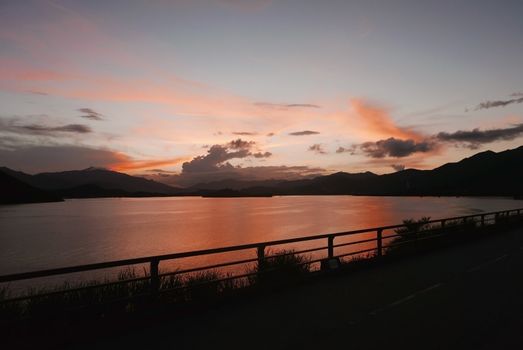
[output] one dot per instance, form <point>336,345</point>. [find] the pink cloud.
<point>377,120</point>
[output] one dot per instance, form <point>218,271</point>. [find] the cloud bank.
<point>396,148</point>
<point>476,137</point>
<point>16,125</point>
<point>317,148</point>
<point>88,113</point>
<point>304,133</point>
<point>244,133</point>
<point>41,129</point>
<point>498,103</point>
<point>217,157</point>
<point>215,165</point>
<point>399,148</point>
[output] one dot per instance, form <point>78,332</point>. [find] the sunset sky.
<point>190,90</point>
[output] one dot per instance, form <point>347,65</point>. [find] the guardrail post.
<point>482,220</point>
<point>443,222</point>
<point>330,240</point>
<point>261,257</point>
<point>155,278</point>
<point>379,241</point>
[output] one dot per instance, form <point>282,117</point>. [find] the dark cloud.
<point>262,154</point>
<point>304,133</point>
<point>160,171</point>
<point>516,94</point>
<point>41,129</point>
<point>34,159</point>
<point>475,137</point>
<point>318,148</point>
<point>90,114</point>
<point>215,165</point>
<point>396,148</point>
<point>217,157</point>
<point>398,167</point>
<point>15,125</point>
<point>498,103</point>
<point>285,105</point>
<point>271,134</point>
<point>244,133</point>
<point>351,150</point>
<point>241,144</point>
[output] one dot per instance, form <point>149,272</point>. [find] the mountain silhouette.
<point>15,191</point>
<point>484,174</point>
<point>93,182</point>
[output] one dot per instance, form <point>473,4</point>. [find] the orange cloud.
<point>379,122</point>
<point>11,70</point>
<point>125,163</point>
<point>215,108</point>
<point>70,46</point>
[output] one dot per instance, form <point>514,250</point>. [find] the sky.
<point>186,91</point>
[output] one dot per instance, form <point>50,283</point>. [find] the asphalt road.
<point>463,297</point>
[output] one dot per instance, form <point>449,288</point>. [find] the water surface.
<point>38,236</point>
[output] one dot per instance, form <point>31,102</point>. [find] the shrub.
<point>413,227</point>
<point>280,268</point>
<point>202,285</point>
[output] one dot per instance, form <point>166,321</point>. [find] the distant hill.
<point>484,174</point>
<point>14,191</point>
<point>233,184</point>
<point>93,182</point>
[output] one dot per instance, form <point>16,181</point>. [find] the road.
<point>461,297</point>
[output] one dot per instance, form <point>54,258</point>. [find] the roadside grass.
<point>208,285</point>
<point>131,290</point>
<point>84,297</point>
<point>421,235</point>
<point>280,268</point>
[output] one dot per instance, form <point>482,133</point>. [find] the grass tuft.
<point>280,267</point>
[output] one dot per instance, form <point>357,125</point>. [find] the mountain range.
<point>14,191</point>
<point>89,183</point>
<point>483,174</point>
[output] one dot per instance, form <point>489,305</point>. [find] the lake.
<point>40,236</point>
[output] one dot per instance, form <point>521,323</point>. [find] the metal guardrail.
<point>154,277</point>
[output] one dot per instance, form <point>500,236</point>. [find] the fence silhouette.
<point>380,243</point>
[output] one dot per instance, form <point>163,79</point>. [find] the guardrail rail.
<point>380,243</point>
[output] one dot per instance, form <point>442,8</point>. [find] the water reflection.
<point>39,236</point>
